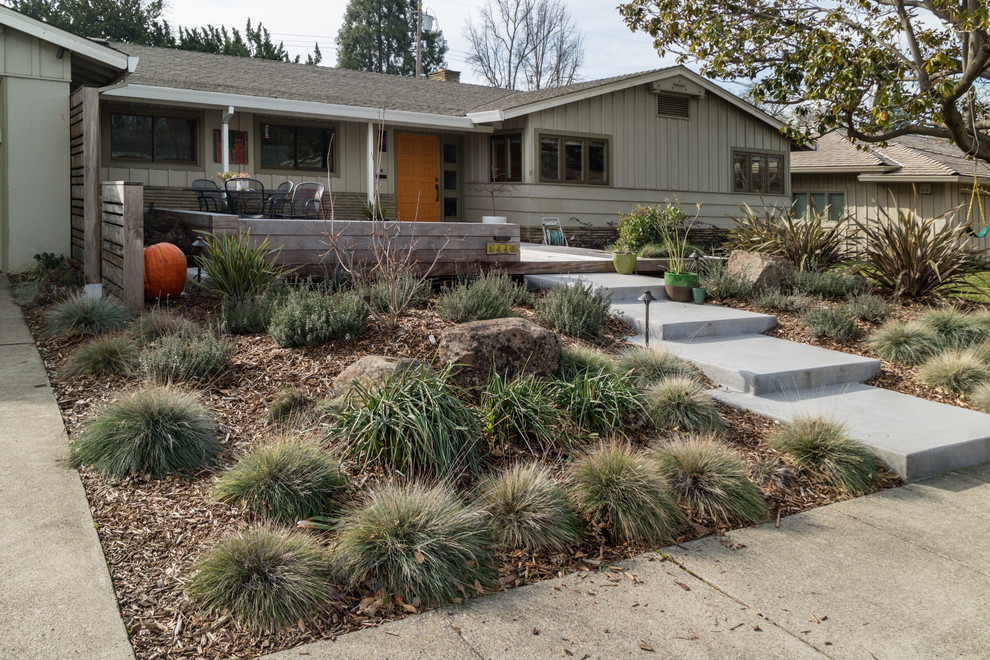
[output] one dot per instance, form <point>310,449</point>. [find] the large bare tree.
<point>526,44</point>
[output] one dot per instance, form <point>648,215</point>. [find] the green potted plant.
<point>678,281</point>
<point>623,257</point>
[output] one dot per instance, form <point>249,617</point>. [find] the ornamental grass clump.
<point>154,431</point>
<point>84,316</point>
<point>521,410</point>
<point>953,328</point>
<point>575,359</point>
<point>981,397</point>
<point>311,318</point>
<point>412,423</point>
<point>418,543</point>
<point>710,479</point>
<point>643,366</point>
<point>238,267</point>
<point>832,322</point>
<point>158,322</point>
<point>830,284</point>
<point>103,356</point>
<point>577,311</point>
<point>489,296</point>
<point>682,404</point>
<point>394,296</point>
<point>625,493</point>
<point>955,371</point>
<point>180,357</point>
<point>245,317</point>
<point>265,579</point>
<point>528,510</point>
<point>905,343</point>
<point>601,402</point>
<point>285,481</point>
<point>290,407</point>
<point>868,307</point>
<point>823,447</point>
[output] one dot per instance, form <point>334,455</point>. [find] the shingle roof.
<point>518,99</point>
<point>834,150</point>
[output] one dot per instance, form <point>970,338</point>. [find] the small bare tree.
<point>526,43</point>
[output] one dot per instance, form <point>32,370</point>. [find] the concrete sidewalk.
<point>900,574</point>
<point>56,598</point>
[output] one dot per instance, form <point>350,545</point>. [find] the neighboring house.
<point>927,175</point>
<point>39,66</point>
<point>584,153</point>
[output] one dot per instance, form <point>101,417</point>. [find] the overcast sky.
<point>610,48</point>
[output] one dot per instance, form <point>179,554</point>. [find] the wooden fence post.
<point>123,243</point>
<point>85,163</point>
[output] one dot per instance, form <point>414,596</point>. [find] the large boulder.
<point>765,271</point>
<point>372,370</point>
<point>509,346</point>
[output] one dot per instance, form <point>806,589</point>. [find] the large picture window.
<point>573,160</point>
<point>804,203</point>
<point>506,157</point>
<point>297,147</point>
<point>152,138</point>
<point>757,172</point>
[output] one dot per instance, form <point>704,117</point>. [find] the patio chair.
<point>208,194</point>
<point>245,197</point>
<point>553,233</point>
<point>279,199</point>
<point>307,200</point>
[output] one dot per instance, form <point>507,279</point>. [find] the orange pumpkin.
<point>164,271</point>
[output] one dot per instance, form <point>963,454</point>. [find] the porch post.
<point>225,137</point>
<point>372,173</point>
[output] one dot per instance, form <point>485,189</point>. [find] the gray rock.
<point>509,345</point>
<point>372,370</point>
<point>765,271</point>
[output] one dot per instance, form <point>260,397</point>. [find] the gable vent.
<point>669,105</point>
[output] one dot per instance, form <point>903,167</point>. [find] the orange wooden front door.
<point>417,179</point>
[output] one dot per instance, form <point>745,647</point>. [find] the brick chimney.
<point>446,75</point>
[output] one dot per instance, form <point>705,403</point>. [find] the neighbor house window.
<point>152,138</point>
<point>806,202</point>
<point>573,160</point>
<point>757,172</point>
<point>297,147</point>
<point>506,157</point>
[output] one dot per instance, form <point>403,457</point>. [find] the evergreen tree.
<point>380,36</point>
<point>128,21</point>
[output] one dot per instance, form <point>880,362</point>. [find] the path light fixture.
<point>647,298</point>
<point>696,255</point>
<point>200,246</point>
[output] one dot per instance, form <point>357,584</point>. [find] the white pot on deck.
<point>494,219</point>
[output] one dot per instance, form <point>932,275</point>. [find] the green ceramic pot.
<point>680,279</point>
<point>624,263</point>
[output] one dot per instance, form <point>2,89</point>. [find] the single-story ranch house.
<point>583,153</point>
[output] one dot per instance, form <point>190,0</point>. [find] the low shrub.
<point>246,317</point>
<point>522,410</point>
<point>84,316</point>
<point>777,300</point>
<point>832,322</point>
<point>103,356</point>
<point>489,296</point>
<point>285,481</point>
<point>644,366</point>
<point>393,297</point>
<point>578,310</point>
<point>179,357</point>
<point>823,447</point>
<point>981,397</point>
<point>709,478</point>
<point>236,268</point>
<point>682,404</point>
<point>528,509</point>
<point>290,406</point>
<point>413,423</point>
<point>904,343</point>
<point>720,284</point>
<point>159,322</point>
<point>644,225</point>
<point>28,294</point>
<point>624,492</point>
<point>952,328</point>
<point>420,544</point>
<point>868,307</point>
<point>830,284</point>
<point>153,431</point>
<point>601,402</point>
<point>264,579</point>
<point>311,318</point>
<point>575,359</point>
<point>56,273</point>
<point>955,371</point>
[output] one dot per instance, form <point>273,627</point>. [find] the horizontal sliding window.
<point>573,160</point>
<point>757,172</point>
<point>506,157</point>
<point>152,138</point>
<point>296,147</point>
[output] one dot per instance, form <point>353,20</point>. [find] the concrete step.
<point>622,288</point>
<point>757,364</point>
<point>917,438</point>
<point>671,320</point>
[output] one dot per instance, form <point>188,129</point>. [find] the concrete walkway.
<point>56,598</point>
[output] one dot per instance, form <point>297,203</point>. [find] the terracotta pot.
<point>679,293</point>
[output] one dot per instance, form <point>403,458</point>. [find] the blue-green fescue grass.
<point>832,322</point>
<point>575,359</point>
<point>527,509</point>
<point>623,491</point>
<point>981,397</point>
<point>413,423</point>
<point>184,358</point>
<point>868,307</point>
<point>84,316</point>
<point>955,371</point>
<point>577,311</point>
<point>953,328</point>
<point>419,543</point>
<point>600,402</point>
<point>158,322</point>
<point>489,296</point>
<point>904,343</point>
<point>265,579</point>
<point>682,404</point>
<point>521,410</point>
<point>709,478</point>
<point>822,447</point>
<point>103,356</point>
<point>153,431</point>
<point>285,481</point>
<point>644,366</point>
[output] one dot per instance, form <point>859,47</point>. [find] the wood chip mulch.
<point>152,530</point>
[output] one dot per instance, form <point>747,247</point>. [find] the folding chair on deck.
<point>553,233</point>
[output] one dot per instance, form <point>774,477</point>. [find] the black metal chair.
<point>279,199</point>
<point>307,200</point>
<point>208,195</point>
<point>245,197</point>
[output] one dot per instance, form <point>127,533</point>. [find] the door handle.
<point>436,186</point>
